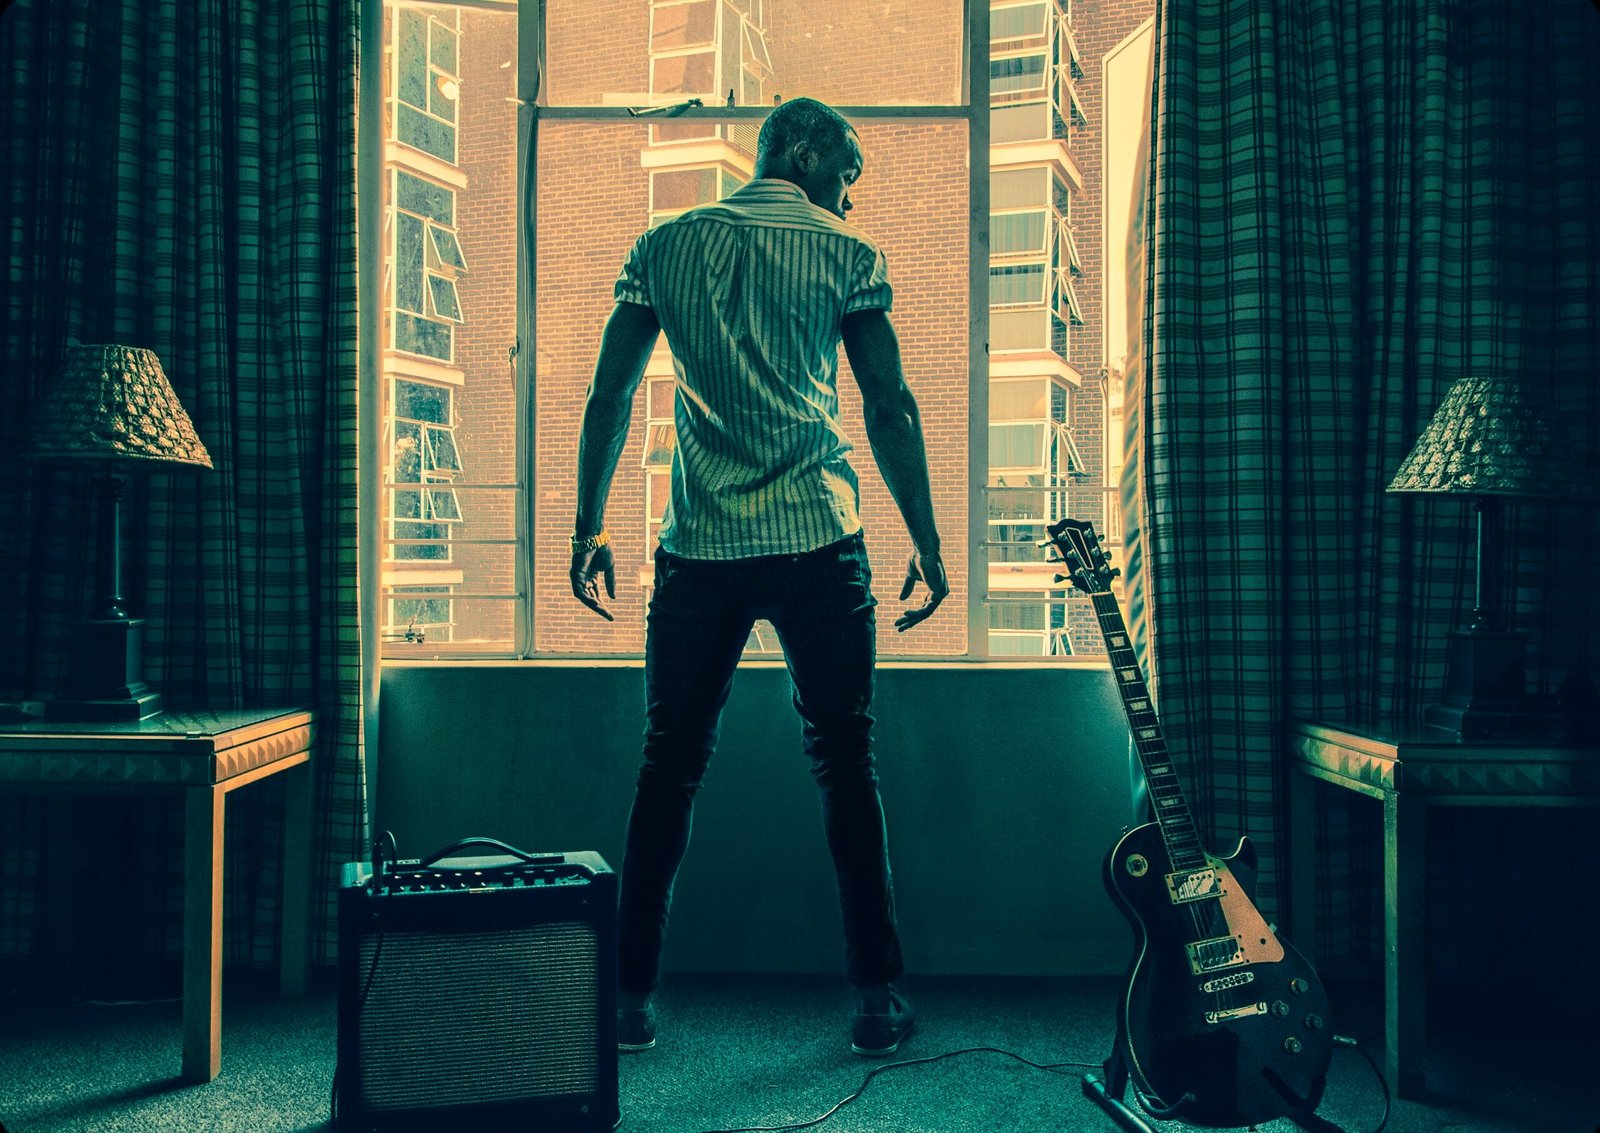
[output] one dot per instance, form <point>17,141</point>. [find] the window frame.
<point>973,107</point>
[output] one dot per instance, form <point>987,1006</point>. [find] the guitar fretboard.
<point>1166,794</point>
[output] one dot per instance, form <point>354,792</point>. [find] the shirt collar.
<point>774,185</point>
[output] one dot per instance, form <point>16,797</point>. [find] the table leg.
<point>1302,902</point>
<point>61,962</point>
<point>202,932</point>
<point>296,880</point>
<point>1405,835</point>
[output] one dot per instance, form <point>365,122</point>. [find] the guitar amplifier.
<point>477,992</point>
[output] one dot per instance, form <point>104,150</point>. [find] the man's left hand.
<point>587,569</point>
<point>928,569</point>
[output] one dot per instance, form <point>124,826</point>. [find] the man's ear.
<point>805,156</point>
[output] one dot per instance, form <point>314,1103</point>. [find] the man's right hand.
<point>588,568</point>
<point>929,569</point>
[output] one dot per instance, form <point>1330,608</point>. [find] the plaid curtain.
<point>179,175</point>
<point>1356,203</point>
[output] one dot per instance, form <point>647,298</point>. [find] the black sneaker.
<point>883,1018</point>
<point>636,1023</point>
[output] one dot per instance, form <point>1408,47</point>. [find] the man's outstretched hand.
<point>588,567</point>
<point>928,569</point>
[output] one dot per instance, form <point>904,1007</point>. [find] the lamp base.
<point>104,680</point>
<point>1485,689</point>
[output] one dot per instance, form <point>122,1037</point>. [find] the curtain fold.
<point>1356,203</point>
<point>180,175</point>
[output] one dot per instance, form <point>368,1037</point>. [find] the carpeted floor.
<point>741,1051</point>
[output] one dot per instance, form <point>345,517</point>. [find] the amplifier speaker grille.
<point>535,1037</point>
<point>478,993</point>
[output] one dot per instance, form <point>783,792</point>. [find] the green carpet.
<point>740,1051</point>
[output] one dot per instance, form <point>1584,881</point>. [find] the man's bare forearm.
<point>600,445</point>
<point>894,424</point>
<point>895,433</point>
<point>625,347</point>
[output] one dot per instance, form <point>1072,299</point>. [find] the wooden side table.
<point>203,756</point>
<point>1410,770</point>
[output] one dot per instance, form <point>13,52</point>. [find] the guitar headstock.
<point>1088,565</point>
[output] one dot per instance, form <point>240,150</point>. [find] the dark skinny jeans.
<point>701,613</point>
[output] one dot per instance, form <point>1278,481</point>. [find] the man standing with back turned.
<point>755,293</point>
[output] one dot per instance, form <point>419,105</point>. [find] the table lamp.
<point>112,409</point>
<point>1489,442</point>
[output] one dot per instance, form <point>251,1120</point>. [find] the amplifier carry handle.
<point>456,847</point>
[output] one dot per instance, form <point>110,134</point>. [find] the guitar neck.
<point>1166,794</point>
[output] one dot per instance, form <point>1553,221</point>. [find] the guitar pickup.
<point>1237,1012</point>
<point>1193,885</point>
<point>1211,955</point>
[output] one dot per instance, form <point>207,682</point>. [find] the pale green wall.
<point>1004,787</point>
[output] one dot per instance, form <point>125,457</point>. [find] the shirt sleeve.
<point>869,282</point>
<point>632,284</point>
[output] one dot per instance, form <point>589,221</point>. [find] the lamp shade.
<point>1488,438</point>
<point>114,403</point>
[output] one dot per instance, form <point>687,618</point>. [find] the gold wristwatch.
<point>587,543</point>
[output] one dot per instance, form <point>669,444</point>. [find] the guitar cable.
<point>1339,1040</point>
<point>1377,1072</point>
<point>876,1070</point>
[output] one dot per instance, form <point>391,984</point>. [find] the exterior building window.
<point>427,259</point>
<point>423,454</point>
<point>419,620</point>
<point>427,79</point>
<point>677,189</point>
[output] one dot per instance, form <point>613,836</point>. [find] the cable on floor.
<point>876,1070</point>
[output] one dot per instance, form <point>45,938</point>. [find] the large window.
<point>496,291</point>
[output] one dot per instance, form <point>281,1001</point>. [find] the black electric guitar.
<point>1222,1024</point>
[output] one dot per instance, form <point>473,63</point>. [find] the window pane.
<point>1013,232</point>
<point>418,401</point>
<point>1012,23</point>
<point>594,199</point>
<point>425,198</point>
<point>1016,446</point>
<point>684,74</point>
<point>1018,188</point>
<point>1018,73</point>
<point>443,293</point>
<point>1025,122</point>
<point>821,48</point>
<point>449,403</point>
<point>1014,329</point>
<point>1018,283</point>
<point>683,25</point>
<point>1012,400</point>
<point>447,248</point>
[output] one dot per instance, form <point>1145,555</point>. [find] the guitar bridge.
<point>1195,885</point>
<point>1237,1012</point>
<point>1210,955</point>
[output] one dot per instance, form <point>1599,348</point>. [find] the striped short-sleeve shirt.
<point>750,292</point>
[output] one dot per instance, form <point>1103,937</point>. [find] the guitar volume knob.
<point>1313,1022</point>
<point>1280,1008</point>
<point>1292,1045</point>
<point>1299,986</point>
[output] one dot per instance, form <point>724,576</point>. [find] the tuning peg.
<point>1062,578</point>
<point>1116,572</point>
